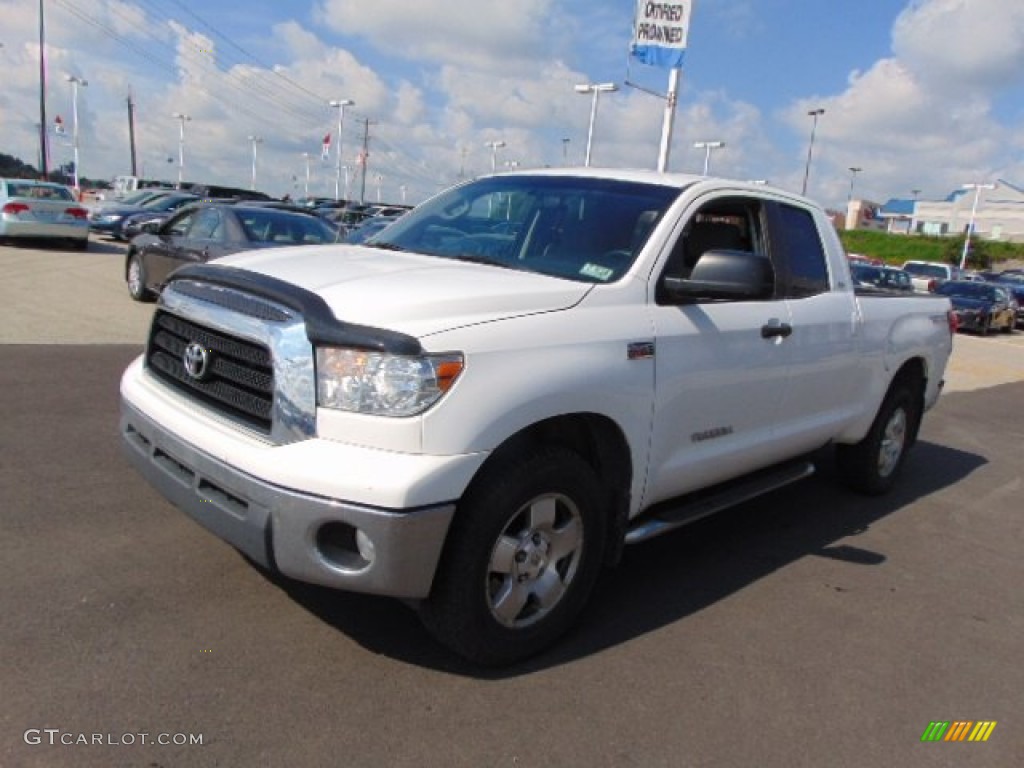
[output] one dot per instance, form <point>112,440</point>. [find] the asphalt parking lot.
<point>812,627</point>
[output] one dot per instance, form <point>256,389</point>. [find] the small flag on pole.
<point>326,151</point>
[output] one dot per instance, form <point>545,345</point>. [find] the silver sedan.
<point>40,209</point>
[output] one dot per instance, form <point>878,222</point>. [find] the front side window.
<point>179,225</point>
<point>578,228</point>
<point>734,225</point>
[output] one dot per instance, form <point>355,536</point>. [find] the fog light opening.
<point>340,546</point>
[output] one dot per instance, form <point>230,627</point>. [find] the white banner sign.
<point>660,32</point>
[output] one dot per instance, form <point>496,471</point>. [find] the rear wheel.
<point>522,558</point>
<point>871,466</point>
<point>136,276</point>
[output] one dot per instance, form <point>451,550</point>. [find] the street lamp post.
<point>305,192</point>
<point>565,151</point>
<point>970,225</point>
<point>707,146</point>
<point>854,170</point>
<point>815,113</point>
<point>75,82</point>
<point>495,146</point>
<point>597,89</point>
<point>254,140</point>
<point>340,105</point>
<point>182,119</point>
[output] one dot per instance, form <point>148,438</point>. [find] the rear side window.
<point>804,252</point>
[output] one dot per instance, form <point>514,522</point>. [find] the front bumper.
<point>304,536</point>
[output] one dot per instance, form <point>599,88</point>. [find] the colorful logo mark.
<point>958,730</point>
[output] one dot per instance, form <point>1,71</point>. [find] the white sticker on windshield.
<point>597,271</point>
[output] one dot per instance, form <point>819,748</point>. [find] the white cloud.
<point>491,34</point>
<point>957,44</point>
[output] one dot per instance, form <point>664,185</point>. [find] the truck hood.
<point>407,292</point>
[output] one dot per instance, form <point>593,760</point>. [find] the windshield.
<point>584,229</point>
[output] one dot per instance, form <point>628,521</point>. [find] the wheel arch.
<point>599,441</point>
<point>914,373</point>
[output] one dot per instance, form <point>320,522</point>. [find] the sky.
<point>922,95</point>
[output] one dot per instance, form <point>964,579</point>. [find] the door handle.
<point>775,329</point>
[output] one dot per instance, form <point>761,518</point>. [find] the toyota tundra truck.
<point>478,408</point>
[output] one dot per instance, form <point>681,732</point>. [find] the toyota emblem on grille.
<point>196,359</point>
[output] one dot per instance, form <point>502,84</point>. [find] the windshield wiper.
<point>472,259</point>
<point>383,246</point>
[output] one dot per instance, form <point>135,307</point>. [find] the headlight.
<point>381,384</point>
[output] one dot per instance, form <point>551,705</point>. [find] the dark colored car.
<point>110,220</point>
<point>980,306</point>
<point>206,231</point>
<point>1013,281</point>
<point>886,278</point>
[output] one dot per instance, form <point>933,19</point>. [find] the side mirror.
<point>724,274</point>
<point>152,227</point>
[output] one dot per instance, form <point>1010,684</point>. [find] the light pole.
<point>340,104</point>
<point>378,178</point>
<point>853,175</point>
<point>707,146</point>
<point>597,89</point>
<point>75,82</point>
<point>970,225</point>
<point>254,140</point>
<point>815,113</point>
<point>495,146</point>
<point>565,151</point>
<point>305,192</point>
<point>182,119</point>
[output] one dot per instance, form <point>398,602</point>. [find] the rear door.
<point>826,378</point>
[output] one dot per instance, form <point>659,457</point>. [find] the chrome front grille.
<point>236,376</point>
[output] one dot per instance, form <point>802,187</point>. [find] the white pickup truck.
<point>479,407</point>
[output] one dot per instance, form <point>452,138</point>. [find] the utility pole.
<point>131,129</point>
<point>44,166</point>
<point>366,156</point>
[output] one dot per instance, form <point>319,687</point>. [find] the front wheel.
<point>871,466</point>
<point>522,558</point>
<point>137,279</point>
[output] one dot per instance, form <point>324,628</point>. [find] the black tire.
<point>872,465</point>
<point>498,570</point>
<point>135,275</point>
<point>81,244</point>
<point>986,325</point>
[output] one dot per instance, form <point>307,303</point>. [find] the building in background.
<point>864,214</point>
<point>999,214</point>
